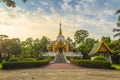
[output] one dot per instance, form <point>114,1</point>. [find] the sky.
<point>37,18</point>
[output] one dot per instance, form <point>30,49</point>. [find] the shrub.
<point>0,57</point>
<point>100,58</point>
<point>92,64</point>
<point>24,64</point>
<point>29,59</point>
<point>73,57</point>
<point>14,59</point>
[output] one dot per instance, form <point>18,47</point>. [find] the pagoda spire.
<point>60,30</point>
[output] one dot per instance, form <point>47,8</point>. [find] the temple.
<point>101,49</point>
<point>60,44</point>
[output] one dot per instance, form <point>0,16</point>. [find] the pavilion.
<point>101,49</point>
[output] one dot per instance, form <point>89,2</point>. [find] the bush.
<point>29,59</point>
<point>24,64</point>
<point>0,57</point>
<point>73,57</point>
<point>92,64</point>
<point>14,59</point>
<point>46,57</point>
<point>100,58</point>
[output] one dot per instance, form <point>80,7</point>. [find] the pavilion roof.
<point>97,48</point>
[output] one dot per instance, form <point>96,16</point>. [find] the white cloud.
<point>23,24</point>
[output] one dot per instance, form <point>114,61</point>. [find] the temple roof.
<point>100,47</point>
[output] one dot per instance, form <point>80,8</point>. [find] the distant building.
<point>101,49</point>
<point>60,44</point>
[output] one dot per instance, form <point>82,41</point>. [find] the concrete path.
<point>61,66</point>
<point>60,71</point>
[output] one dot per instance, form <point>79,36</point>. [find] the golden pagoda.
<point>60,44</point>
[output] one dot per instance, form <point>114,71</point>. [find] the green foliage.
<point>29,59</point>
<point>43,43</point>
<point>80,36</point>
<point>117,30</point>
<point>86,47</point>
<point>10,46</point>
<point>116,66</point>
<point>100,58</point>
<point>25,64</point>
<point>0,66</point>
<point>32,48</point>
<point>115,45</point>
<point>11,3</point>
<point>14,59</point>
<point>92,63</point>
<point>0,57</point>
<point>76,58</point>
<point>69,40</point>
<point>106,39</point>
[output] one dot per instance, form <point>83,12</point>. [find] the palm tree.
<point>117,30</point>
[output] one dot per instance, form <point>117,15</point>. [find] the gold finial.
<point>60,31</point>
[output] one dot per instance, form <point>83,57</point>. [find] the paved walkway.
<point>61,66</point>
<point>60,71</point>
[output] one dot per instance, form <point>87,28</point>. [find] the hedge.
<point>14,59</point>
<point>100,58</point>
<point>24,64</point>
<point>74,57</point>
<point>92,63</point>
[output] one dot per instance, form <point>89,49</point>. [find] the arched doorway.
<point>60,50</point>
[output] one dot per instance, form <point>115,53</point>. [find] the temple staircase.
<point>60,58</point>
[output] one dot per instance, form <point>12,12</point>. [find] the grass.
<point>116,66</point>
<point>0,66</point>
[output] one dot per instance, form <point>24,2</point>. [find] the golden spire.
<point>60,31</point>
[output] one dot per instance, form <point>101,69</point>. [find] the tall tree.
<point>80,36</point>
<point>117,30</point>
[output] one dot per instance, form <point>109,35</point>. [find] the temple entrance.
<point>60,50</point>
<point>60,57</point>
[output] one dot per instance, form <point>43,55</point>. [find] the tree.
<point>43,43</point>
<point>10,46</point>
<point>3,37</point>
<point>36,47</point>
<point>69,40</point>
<point>11,3</point>
<point>115,46</point>
<point>80,36</point>
<point>27,47</point>
<point>87,46</point>
<point>14,47</point>
<point>117,30</point>
<point>106,39</point>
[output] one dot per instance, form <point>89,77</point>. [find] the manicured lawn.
<point>116,66</point>
<point>0,66</point>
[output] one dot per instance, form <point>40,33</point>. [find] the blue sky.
<point>37,18</point>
